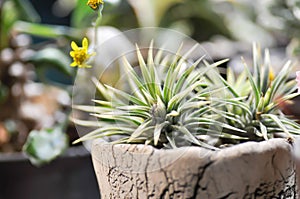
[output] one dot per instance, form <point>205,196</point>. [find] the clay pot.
<point>250,170</point>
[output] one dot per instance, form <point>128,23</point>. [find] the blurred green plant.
<point>19,17</point>
<point>10,12</point>
<point>45,145</point>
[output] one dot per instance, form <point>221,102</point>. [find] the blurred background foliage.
<point>35,39</point>
<point>271,23</point>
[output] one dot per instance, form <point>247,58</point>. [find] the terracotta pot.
<point>68,177</point>
<point>250,170</point>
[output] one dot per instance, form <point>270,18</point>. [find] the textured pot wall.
<point>250,170</point>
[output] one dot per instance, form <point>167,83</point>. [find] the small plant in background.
<point>257,97</point>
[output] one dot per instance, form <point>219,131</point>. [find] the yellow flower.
<point>80,55</point>
<point>94,4</point>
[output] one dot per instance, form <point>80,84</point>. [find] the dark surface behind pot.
<point>69,177</point>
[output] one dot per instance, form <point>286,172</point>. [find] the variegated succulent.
<point>253,100</point>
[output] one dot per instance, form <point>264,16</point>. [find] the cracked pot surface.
<point>250,170</point>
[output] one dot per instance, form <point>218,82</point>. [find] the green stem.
<point>97,24</point>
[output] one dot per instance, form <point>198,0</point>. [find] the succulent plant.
<point>172,102</point>
<point>255,101</point>
<point>168,103</point>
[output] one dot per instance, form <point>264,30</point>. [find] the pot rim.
<point>229,152</point>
